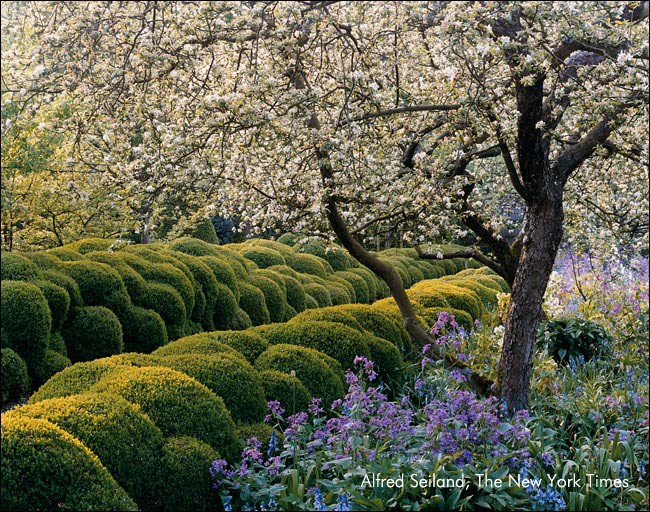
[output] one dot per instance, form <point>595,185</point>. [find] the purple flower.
<point>316,406</point>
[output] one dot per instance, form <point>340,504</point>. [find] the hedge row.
<point>85,301</point>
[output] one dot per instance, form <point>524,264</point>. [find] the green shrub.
<point>269,244</point>
<point>225,307</point>
<point>415,273</point>
<point>296,295</point>
<point>263,257</point>
<point>247,343</point>
<point>573,338</point>
<point>193,247</point>
<point>307,264</point>
<point>310,302</point>
<point>54,363</point>
<point>183,481</point>
<point>234,380</point>
<point>168,274</point>
<point>15,380</point>
<point>338,258</point>
<point>328,315</point>
<point>336,340</point>
<point>386,357</point>
<point>15,267</point>
<point>314,246</point>
<point>67,283</point>
<point>126,441</point>
<point>370,279</point>
<point>309,366</point>
<point>253,302</point>
<point>488,296</point>
<point>456,296</point>
<point>43,260</point>
<point>361,290</point>
<point>260,431</point>
<point>289,239</point>
<point>45,468</point>
<point>428,298</point>
<point>223,272</point>
<point>176,403</point>
<point>319,293</point>
<point>240,321</point>
<point>87,245</point>
<point>65,254</point>
<point>168,303</point>
<point>346,284</point>
<point>339,294</point>
<point>285,270</point>
<point>204,231</point>
<point>273,297</point>
<point>206,343</point>
<point>286,389</point>
<point>143,330</point>
<point>93,332</point>
<point>100,285</point>
<point>26,322</point>
<point>58,301</point>
<point>236,261</point>
<point>56,343</point>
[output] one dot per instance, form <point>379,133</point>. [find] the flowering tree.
<point>437,117</point>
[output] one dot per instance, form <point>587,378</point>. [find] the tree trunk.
<point>542,236</point>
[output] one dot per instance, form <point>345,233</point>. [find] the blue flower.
<point>273,445</point>
<point>546,499</point>
<point>227,506</point>
<point>319,504</point>
<point>343,502</point>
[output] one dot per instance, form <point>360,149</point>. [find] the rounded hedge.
<point>205,343</point>
<point>328,315</point>
<point>65,254</point>
<point>336,340</point>
<point>234,380</point>
<point>307,264</point>
<point>263,257</point>
<point>292,394</point>
<point>176,403</point>
<point>144,330</point>
<point>192,246</point>
<point>309,366</point>
<point>57,343</point>
<point>319,293</point>
<point>240,321</point>
<point>223,272</point>
<point>26,322</point>
<point>296,296</point>
<point>386,356</point>
<point>488,296</point>
<point>428,298</point>
<point>253,302</point>
<point>310,302</point>
<point>456,296</point>
<point>289,239</point>
<point>313,246</point>
<point>87,245</point>
<point>339,294</point>
<point>93,332</point>
<point>361,289</point>
<point>66,282</point>
<point>182,481</point>
<point>285,270</point>
<point>225,307</point>
<point>346,284</point>
<point>204,231</point>
<point>62,472</point>
<point>54,363</point>
<point>15,267</point>
<point>415,273</point>
<point>126,441</point>
<point>168,274</point>
<point>236,261</point>
<point>100,285</point>
<point>338,258</point>
<point>269,244</point>
<point>168,303</point>
<point>58,301</point>
<point>369,278</point>
<point>15,380</point>
<point>273,297</point>
<point>247,343</point>
<point>42,259</point>
<point>463,318</point>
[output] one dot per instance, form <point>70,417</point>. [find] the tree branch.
<point>402,110</point>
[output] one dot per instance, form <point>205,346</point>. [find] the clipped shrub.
<point>15,267</point>
<point>143,330</point>
<point>289,239</point>
<point>87,245</point>
<point>58,301</point>
<point>456,296</point>
<point>62,471</point>
<point>328,315</point>
<point>225,307</point>
<point>67,283</point>
<point>168,303</point>
<point>307,264</point>
<point>65,254</point>
<point>386,357</point>
<point>338,258</point>
<point>260,431</point>
<point>205,232</point>
<point>336,340</point>
<point>240,321</point>
<point>176,403</point>
<point>236,261</point>
<point>369,278</point>
<point>126,441</point>
<point>26,322</point>
<point>253,302</point>
<point>269,244</point>
<point>166,273</point>
<point>428,298</point>
<point>573,338</point>
<point>273,297</point>
<point>310,302</point>
<point>247,343</point>
<point>183,481</point>
<point>223,272</point>
<point>54,363</point>
<point>42,259</point>
<point>234,380</point>
<point>193,246</point>
<point>206,343</point>
<point>361,290</point>
<point>314,246</point>
<point>319,293</point>
<point>100,285</point>
<point>285,270</point>
<point>56,343</point>
<point>263,257</point>
<point>15,380</point>
<point>415,273</point>
<point>296,295</point>
<point>286,389</point>
<point>309,366</point>
<point>347,285</point>
<point>93,332</point>
<point>339,294</point>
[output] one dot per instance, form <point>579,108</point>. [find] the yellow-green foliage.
<point>336,340</point>
<point>17,268</point>
<point>66,282</point>
<point>307,264</point>
<point>332,314</point>
<point>87,245</point>
<point>46,468</point>
<point>42,259</point>
<point>65,254</point>
<point>223,272</point>
<point>193,247</point>
<point>54,363</point>
<point>58,301</point>
<point>253,302</point>
<point>263,257</point>
<point>488,296</point>
<point>168,303</point>
<point>310,367</point>
<point>126,441</point>
<point>247,343</point>
<point>143,330</point>
<point>166,273</point>
<point>336,279</point>
<point>456,297</point>
<point>370,279</point>
<point>15,380</point>
<point>93,332</point>
<point>225,307</point>
<point>183,480</point>
<point>274,297</point>
<point>338,258</point>
<point>176,403</point>
<point>234,380</point>
<point>292,394</point>
<point>26,322</point>
<point>206,343</point>
<point>319,293</point>
<point>361,290</point>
